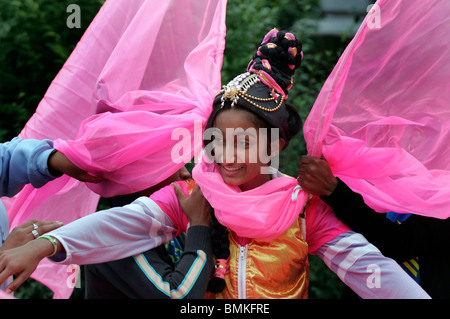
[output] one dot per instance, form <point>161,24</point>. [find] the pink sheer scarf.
<point>142,69</point>
<point>382,119</point>
<point>150,88</point>
<point>263,213</point>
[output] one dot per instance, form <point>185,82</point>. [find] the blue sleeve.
<point>23,162</point>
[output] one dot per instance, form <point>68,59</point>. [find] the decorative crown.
<point>238,87</point>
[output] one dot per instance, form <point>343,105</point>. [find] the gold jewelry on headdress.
<point>239,86</point>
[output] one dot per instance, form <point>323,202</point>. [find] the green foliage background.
<point>35,42</point>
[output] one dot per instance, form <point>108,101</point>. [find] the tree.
<point>35,41</point>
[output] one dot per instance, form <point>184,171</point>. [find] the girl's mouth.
<point>231,169</point>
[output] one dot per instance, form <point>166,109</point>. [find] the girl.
<point>269,224</point>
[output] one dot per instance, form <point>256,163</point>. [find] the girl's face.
<point>240,149</point>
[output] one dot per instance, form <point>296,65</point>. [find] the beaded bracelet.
<point>53,241</point>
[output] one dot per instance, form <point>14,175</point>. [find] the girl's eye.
<point>243,143</point>
<point>218,140</point>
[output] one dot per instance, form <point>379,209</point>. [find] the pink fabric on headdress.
<point>267,211</point>
<point>166,82</point>
<point>382,118</point>
<point>264,212</point>
<point>142,68</point>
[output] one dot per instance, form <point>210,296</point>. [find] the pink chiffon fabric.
<point>154,92</point>
<point>264,212</point>
<point>142,69</point>
<point>382,118</point>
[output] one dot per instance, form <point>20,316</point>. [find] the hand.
<point>22,261</point>
<point>22,234</point>
<point>195,207</point>
<point>60,163</point>
<point>315,176</point>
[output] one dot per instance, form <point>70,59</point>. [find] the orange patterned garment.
<point>266,270</point>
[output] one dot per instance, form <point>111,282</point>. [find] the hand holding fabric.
<point>315,176</point>
<point>58,162</point>
<point>195,207</point>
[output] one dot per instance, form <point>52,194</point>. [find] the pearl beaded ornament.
<point>239,86</point>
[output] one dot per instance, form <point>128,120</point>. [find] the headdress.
<point>263,89</point>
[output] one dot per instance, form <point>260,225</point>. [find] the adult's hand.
<point>315,176</point>
<point>22,261</point>
<point>58,162</point>
<point>28,231</point>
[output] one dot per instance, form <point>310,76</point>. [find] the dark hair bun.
<point>279,54</point>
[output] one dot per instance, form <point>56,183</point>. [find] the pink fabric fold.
<point>167,200</point>
<point>151,89</point>
<point>382,118</point>
<point>264,213</point>
<point>142,69</point>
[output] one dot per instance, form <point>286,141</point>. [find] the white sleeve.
<point>114,234</point>
<point>363,268</point>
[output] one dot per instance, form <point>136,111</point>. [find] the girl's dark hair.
<point>221,249</point>
<point>294,122</point>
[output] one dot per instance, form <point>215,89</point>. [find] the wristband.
<point>53,241</point>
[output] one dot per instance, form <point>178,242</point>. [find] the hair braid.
<point>221,249</point>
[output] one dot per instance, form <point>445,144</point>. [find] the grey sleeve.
<point>363,268</point>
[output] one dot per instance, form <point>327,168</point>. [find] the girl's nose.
<point>184,173</point>
<point>230,153</point>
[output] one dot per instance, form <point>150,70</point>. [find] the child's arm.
<point>115,233</point>
<point>23,162</point>
<point>186,277</point>
<point>34,162</point>
<point>159,279</point>
<point>121,232</point>
<point>359,264</point>
<point>363,268</point>
<point>112,234</point>
<point>107,235</point>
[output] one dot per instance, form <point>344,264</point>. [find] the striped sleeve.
<point>164,286</point>
<point>189,279</point>
<point>363,268</point>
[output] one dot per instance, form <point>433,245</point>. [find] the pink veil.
<point>382,119</point>
<point>142,69</point>
<point>173,72</point>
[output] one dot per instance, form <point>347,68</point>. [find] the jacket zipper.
<point>242,270</point>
